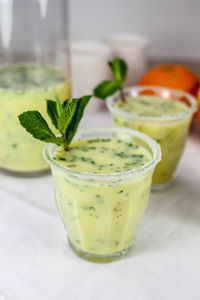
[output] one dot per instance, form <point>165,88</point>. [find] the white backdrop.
<point>173,26</point>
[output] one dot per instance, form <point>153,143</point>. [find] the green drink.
<point>160,116</point>
<point>102,187</point>
<point>25,87</point>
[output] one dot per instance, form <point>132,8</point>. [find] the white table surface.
<point>37,264</point>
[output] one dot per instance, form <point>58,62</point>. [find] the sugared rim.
<point>50,150</point>
<point>132,92</point>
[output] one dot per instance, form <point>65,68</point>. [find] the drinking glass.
<point>101,212</point>
<point>170,131</point>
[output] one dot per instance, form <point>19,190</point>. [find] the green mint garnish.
<point>52,112</point>
<point>108,87</point>
<point>81,104</point>
<point>105,89</point>
<point>38,127</point>
<point>119,70</point>
<point>65,117</point>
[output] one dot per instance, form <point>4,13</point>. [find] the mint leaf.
<point>65,102</point>
<point>119,70</point>
<point>66,116</point>
<point>81,103</point>
<point>36,125</point>
<point>105,89</point>
<point>55,110</point>
<point>52,112</point>
<point>59,107</point>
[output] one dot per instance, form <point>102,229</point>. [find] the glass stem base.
<point>97,258</point>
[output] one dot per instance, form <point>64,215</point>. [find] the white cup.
<point>133,48</point>
<point>88,68</point>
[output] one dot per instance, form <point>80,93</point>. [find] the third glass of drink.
<point>163,114</point>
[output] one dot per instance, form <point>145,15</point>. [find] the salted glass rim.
<point>132,92</point>
<point>50,150</point>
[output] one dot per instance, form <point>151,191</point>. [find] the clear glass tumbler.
<point>101,212</point>
<point>34,66</point>
<point>170,131</point>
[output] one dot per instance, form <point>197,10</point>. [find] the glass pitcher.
<point>34,66</point>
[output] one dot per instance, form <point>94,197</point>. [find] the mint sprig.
<point>65,117</point>
<point>109,87</point>
<point>52,112</point>
<point>119,70</point>
<point>38,127</point>
<point>77,116</point>
<point>105,89</point>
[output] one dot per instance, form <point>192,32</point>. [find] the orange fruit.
<point>172,76</point>
<point>197,115</point>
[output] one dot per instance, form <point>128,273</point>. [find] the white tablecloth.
<point>37,264</point>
